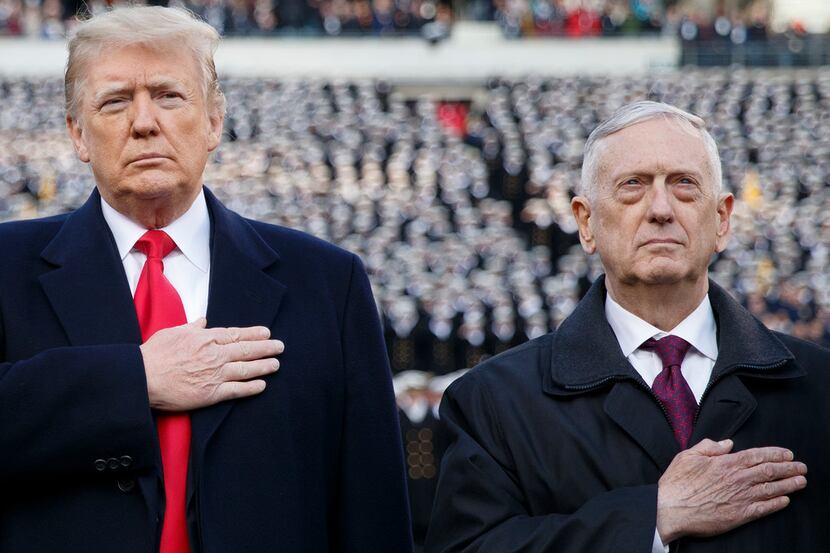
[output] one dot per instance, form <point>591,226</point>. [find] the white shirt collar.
<point>190,232</point>
<point>699,328</point>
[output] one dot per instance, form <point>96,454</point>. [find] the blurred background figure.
<point>441,141</point>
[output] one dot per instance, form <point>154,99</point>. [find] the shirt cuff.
<point>657,546</point>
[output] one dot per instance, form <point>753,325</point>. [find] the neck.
<point>152,213</point>
<point>661,305</point>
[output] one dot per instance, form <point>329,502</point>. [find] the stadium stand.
<point>565,18</point>
<point>466,229</point>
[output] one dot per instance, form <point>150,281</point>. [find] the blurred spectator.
<point>461,209</point>
<point>52,18</point>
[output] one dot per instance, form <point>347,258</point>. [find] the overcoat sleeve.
<point>481,507</point>
<point>373,509</point>
<point>69,411</point>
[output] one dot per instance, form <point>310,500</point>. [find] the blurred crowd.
<point>587,18</point>
<point>567,18</point>
<point>465,227</point>
<point>53,18</point>
<point>772,131</point>
<point>461,210</point>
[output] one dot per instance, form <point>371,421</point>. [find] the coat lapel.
<point>642,418</point>
<point>241,294</point>
<point>746,350</point>
<point>586,356</point>
<point>89,292</point>
<point>727,407</point>
<point>88,288</point>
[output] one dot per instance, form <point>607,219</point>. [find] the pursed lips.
<point>661,241</point>
<point>149,156</point>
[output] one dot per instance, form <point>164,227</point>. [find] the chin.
<point>152,187</point>
<point>663,279</point>
<point>664,272</point>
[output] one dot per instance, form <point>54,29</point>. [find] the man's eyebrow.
<point>164,82</point>
<point>110,90</point>
<point>652,171</point>
<point>124,87</point>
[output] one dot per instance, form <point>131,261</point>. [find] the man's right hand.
<point>707,491</point>
<point>190,366</point>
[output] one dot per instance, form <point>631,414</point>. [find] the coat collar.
<point>586,357</point>
<point>586,354</point>
<point>242,292</point>
<point>88,290</point>
<point>90,294</point>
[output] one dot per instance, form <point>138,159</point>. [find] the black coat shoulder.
<point>512,373</point>
<point>302,249</point>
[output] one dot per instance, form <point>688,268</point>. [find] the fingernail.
<point>801,481</point>
<point>280,345</point>
<point>276,365</point>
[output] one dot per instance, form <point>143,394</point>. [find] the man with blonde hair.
<point>660,415</point>
<point>142,403</point>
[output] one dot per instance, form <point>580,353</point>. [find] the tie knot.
<point>671,349</point>
<point>155,244</point>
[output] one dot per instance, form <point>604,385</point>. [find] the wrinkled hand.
<point>190,366</point>
<point>707,491</point>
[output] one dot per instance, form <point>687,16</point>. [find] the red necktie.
<point>159,306</point>
<point>671,388</point>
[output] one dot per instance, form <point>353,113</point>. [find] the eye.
<point>113,104</point>
<point>171,95</point>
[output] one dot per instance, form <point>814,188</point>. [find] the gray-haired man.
<point>661,413</point>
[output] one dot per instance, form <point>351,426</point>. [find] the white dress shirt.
<point>699,329</point>
<point>187,267</point>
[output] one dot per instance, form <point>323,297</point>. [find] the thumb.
<point>712,448</point>
<point>201,322</point>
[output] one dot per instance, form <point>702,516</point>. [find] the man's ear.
<point>217,125</point>
<point>76,134</point>
<point>581,208</point>
<point>725,205</point>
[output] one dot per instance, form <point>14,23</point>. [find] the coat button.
<point>126,485</point>
<point>100,465</point>
<point>113,463</point>
<point>126,461</point>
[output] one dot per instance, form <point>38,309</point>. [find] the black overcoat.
<point>311,465</point>
<point>558,444</point>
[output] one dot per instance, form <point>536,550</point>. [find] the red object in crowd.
<point>582,22</point>
<point>453,117</point>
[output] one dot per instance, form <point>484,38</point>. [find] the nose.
<point>660,208</point>
<point>145,120</point>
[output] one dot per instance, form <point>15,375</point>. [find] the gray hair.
<point>638,112</point>
<point>148,26</point>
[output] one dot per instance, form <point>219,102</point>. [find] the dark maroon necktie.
<point>671,388</point>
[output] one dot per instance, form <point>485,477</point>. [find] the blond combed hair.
<point>150,26</point>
